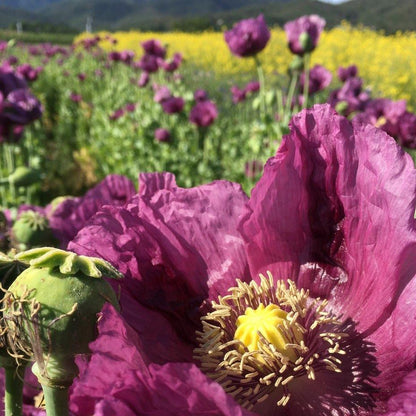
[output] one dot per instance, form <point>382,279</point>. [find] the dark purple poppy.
<point>76,98</point>
<point>81,76</point>
<point>407,130</point>
<point>148,63</point>
<point>319,79</point>
<point>162,135</point>
<point>173,105</point>
<point>116,114</point>
<point>252,86</point>
<point>3,45</point>
<point>248,37</point>
<point>238,94</point>
<point>303,33</point>
<point>154,47</point>
<point>68,216</point>
<point>350,97</point>
<point>204,113</point>
<point>130,107</point>
<point>28,72</point>
<point>347,72</point>
<point>173,64</point>
<point>200,95</point>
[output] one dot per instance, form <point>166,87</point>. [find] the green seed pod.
<point>31,230</point>
<point>61,294</point>
<point>306,42</point>
<point>297,64</point>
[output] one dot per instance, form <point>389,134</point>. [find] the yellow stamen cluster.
<point>262,337</point>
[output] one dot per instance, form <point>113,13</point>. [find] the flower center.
<point>273,347</point>
<point>268,322</point>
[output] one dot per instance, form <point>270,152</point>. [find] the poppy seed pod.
<point>60,295</point>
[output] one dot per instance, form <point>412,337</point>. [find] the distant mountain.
<point>199,15</point>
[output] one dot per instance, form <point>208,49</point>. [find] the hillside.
<point>191,15</point>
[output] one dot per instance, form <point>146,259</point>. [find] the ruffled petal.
<point>334,212</point>
<point>116,379</point>
<point>176,248</point>
<point>73,213</point>
<point>403,402</point>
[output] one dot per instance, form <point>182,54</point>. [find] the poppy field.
<point>209,223</point>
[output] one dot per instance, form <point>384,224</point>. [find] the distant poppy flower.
<point>319,79</point>
<point>162,92</point>
<point>148,63</point>
<point>173,105</point>
<point>76,98</point>
<point>303,33</point>
<point>238,95</point>
<point>130,107</point>
<point>143,80</point>
<point>407,130</point>
<point>154,47</point>
<point>81,76</point>
<point>252,86</point>
<point>248,37</point>
<point>162,135</point>
<point>116,114</point>
<point>200,95</point>
<point>347,72</point>
<point>204,113</point>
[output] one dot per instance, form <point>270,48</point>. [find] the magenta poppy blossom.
<point>331,223</point>
<point>303,33</point>
<point>203,113</point>
<point>143,80</point>
<point>347,72</point>
<point>252,86</point>
<point>407,130</point>
<point>172,105</point>
<point>68,216</point>
<point>200,95</point>
<point>162,92</point>
<point>162,135</point>
<point>154,47</point>
<point>148,63</point>
<point>116,114</point>
<point>319,79</point>
<point>238,95</point>
<point>248,37</point>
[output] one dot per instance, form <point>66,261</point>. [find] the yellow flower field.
<point>387,63</point>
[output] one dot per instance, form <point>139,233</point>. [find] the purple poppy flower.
<point>3,45</point>
<point>76,98</point>
<point>116,114</point>
<point>28,72</point>
<point>347,72</point>
<point>81,76</point>
<point>319,79</point>
<point>162,92</point>
<point>333,212</point>
<point>114,56</point>
<point>148,63</point>
<point>350,97</point>
<point>204,113</point>
<point>143,80</point>
<point>173,64</point>
<point>248,37</point>
<point>303,33</point>
<point>238,95</point>
<point>407,130</point>
<point>130,107</point>
<point>173,105</point>
<point>200,95</point>
<point>162,135</point>
<point>252,86</point>
<point>69,216</point>
<point>154,47</point>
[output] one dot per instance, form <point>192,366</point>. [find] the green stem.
<point>289,98</point>
<point>260,74</point>
<point>56,400</point>
<point>10,168</point>
<point>13,397</point>
<point>307,60</point>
